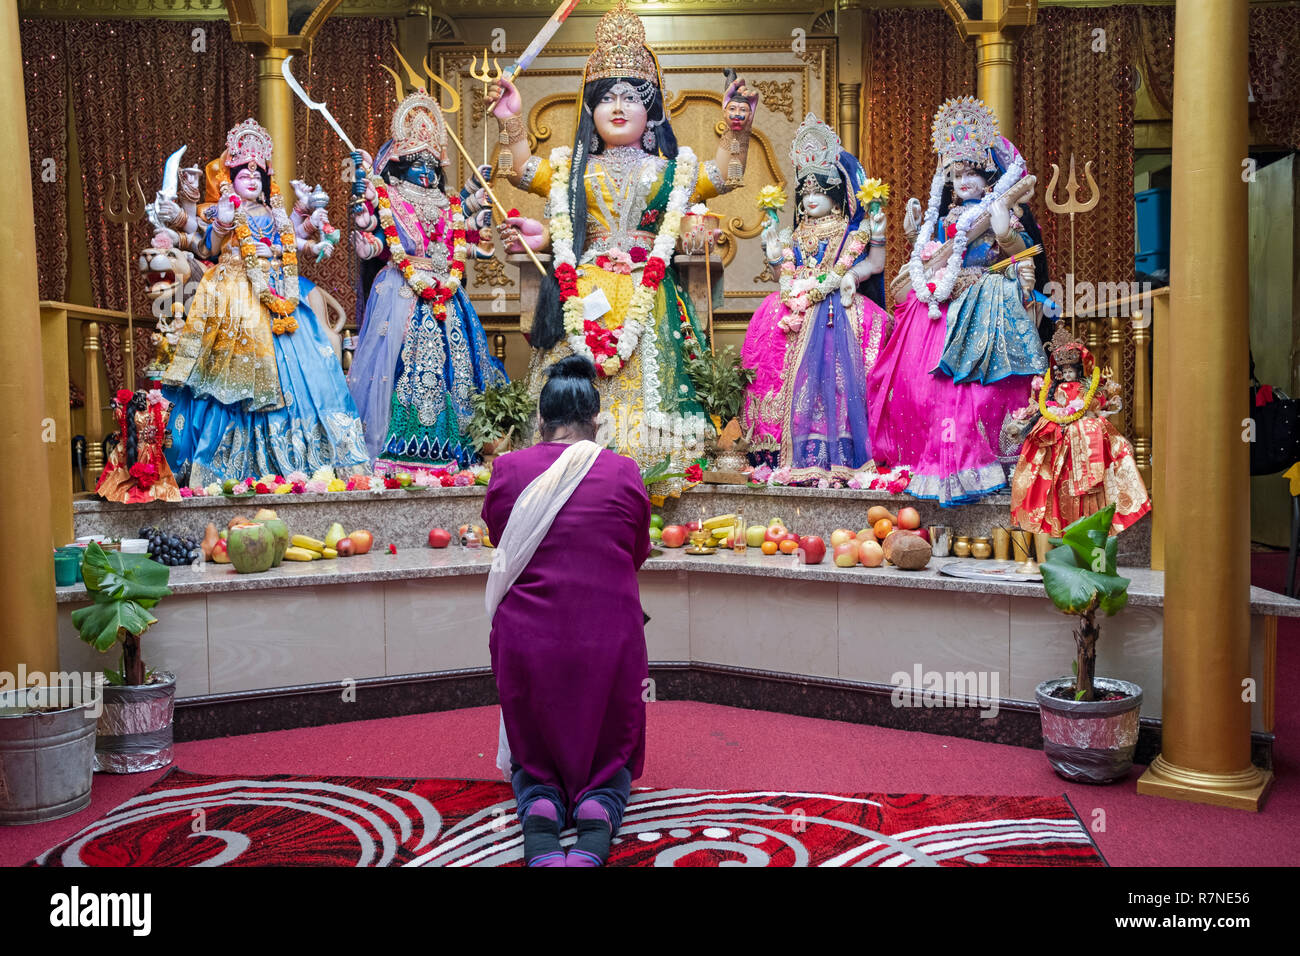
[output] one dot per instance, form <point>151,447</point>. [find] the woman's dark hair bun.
<point>574,366</point>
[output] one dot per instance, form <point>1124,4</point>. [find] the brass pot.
<point>961,547</point>
<point>981,548</point>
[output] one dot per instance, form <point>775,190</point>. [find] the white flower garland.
<point>947,277</point>
<point>803,296</point>
<point>643,297</point>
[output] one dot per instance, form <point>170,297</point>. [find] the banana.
<point>719,521</point>
<point>299,554</point>
<point>329,553</point>
<point>311,544</point>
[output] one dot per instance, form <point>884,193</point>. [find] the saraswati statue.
<point>615,205</point>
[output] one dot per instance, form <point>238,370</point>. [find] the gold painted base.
<point>1240,790</point>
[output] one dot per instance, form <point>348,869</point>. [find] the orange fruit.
<point>768,547</point>
<point>789,546</point>
<point>882,528</point>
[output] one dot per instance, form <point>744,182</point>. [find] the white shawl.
<point>530,520</point>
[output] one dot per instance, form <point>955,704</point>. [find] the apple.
<point>839,536</point>
<point>656,534</point>
<point>866,534</point>
<point>345,548</point>
<point>221,552</point>
<point>691,526</point>
<point>755,535</point>
<point>774,521</point>
<point>729,543</point>
<point>775,532</point>
<point>846,555</point>
<point>674,536</point>
<point>924,533</point>
<point>871,554</point>
<point>362,541</point>
<point>909,518</point>
<point>439,538</point>
<point>814,549</point>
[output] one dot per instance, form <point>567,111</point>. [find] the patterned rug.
<point>190,819</point>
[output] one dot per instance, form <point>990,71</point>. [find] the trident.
<point>1072,206</point>
<point>118,209</point>
<point>486,76</point>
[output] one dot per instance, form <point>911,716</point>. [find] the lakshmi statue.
<point>1074,462</point>
<point>616,201</point>
<point>137,469</point>
<point>812,344</point>
<point>422,353</point>
<point>254,383</point>
<point>964,343</point>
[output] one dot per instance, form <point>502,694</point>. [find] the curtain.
<point>917,61</point>
<point>342,69</point>
<point>45,84</point>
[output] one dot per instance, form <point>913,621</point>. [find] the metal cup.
<point>940,540</point>
<point>1001,544</point>
<point>1042,544</point>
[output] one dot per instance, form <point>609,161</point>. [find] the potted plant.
<point>1090,723</point>
<point>135,727</point>
<point>501,416</point>
<point>720,382</point>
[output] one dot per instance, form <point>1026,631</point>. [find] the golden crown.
<point>1066,349</point>
<point>248,143</point>
<point>964,131</point>
<point>621,49</point>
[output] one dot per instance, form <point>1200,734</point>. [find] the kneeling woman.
<point>568,634</point>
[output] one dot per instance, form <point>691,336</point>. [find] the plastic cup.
<point>65,569</point>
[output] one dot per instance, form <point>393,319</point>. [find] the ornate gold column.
<point>1001,21</point>
<point>1205,754</point>
<point>275,111</point>
<point>26,565</point>
<point>850,23</point>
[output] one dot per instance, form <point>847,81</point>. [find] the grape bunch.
<point>171,550</point>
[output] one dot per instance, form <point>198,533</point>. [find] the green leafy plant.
<point>123,587</point>
<point>1080,578</point>
<point>660,471</point>
<point>504,411</point>
<point>720,383</point>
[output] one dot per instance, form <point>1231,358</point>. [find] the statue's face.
<point>247,184</point>
<point>422,171</point>
<point>816,205</point>
<point>1069,373</point>
<point>967,183</point>
<point>620,116</point>
<point>737,113</point>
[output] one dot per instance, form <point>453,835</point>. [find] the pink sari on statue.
<point>764,351</point>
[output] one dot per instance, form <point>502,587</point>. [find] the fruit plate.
<point>986,570</point>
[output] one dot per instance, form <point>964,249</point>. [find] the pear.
<point>334,535</point>
<point>265,514</point>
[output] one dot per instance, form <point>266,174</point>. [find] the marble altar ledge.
<point>1146,588</point>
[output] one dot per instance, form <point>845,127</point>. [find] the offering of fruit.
<point>876,512</point>
<point>172,550</point>
<point>220,552</point>
<point>814,549</point>
<point>907,550</point>
<point>310,544</point>
<point>673,536</point>
<point>871,554</point>
<point>300,554</point>
<point>839,536</point>
<point>846,555</point>
<point>755,534</point>
<point>279,531</point>
<point>439,538</point>
<point>345,548</point>
<point>866,534</point>
<point>882,528</point>
<point>361,541</point>
<point>210,539</point>
<point>775,532</point>
<point>775,521</point>
<point>657,521</point>
<point>909,518</point>
<point>252,548</point>
<point>334,535</point>
<point>656,534</point>
<point>788,545</point>
<point>768,548</point>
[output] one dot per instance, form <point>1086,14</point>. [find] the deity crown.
<point>1065,348</point>
<point>248,143</point>
<point>418,126</point>
<point>964,131</point>
<point>621,49</point>
<point>815,151</point>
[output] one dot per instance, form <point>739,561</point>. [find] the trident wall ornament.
<point>485,75</point>
<point>121,207</point>
<point>1072,205</point>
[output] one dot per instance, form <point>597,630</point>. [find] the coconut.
<point>252,548</point>
<point>281,532</point>
<point>907,550</point>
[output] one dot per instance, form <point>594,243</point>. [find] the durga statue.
<point>616,199</point>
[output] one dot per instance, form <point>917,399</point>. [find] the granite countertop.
<point>1146,588</point>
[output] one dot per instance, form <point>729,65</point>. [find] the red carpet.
<point>194,820</point>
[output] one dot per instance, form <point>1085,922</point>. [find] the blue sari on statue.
<point>247,402</point>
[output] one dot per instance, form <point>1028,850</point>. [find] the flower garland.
<point>1075,416</point>
<point>258,270</point>
<point>420,281</point>
<point>808,296</point>
<point>610,349</point>
<point>940,290</point>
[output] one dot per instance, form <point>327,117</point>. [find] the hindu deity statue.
<point>812,343</point>
<point>254,382</point>
<point>422,353</point>
<point>1073,462</point>
<point>616,201</point>
<point>137,468</point>
<point>965,341</point>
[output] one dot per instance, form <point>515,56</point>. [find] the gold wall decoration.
<point>491,273</point>
<point>778,96</point>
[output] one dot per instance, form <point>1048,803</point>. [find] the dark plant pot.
<point>47,758</point>
<point>135,729</point>
<point>1090,741</point>
<point>489,450</point>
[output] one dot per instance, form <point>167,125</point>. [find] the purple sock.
<point>542,808</point>
<point>592,847</point>
<point>542,835</point>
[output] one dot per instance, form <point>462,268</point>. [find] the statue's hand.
<point>504,98</point>
<point>225,207</point>
<point>848,288</point>
<point>517,230</point>
<point>169,211</point>
<point>999,217</point>
<point>913,217</point>
<point>302,192</point>
<point>878,225</point>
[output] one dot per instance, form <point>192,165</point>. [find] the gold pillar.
<point>994,78</point>
<point>275,112</point>
<point>850,116</point>
<point>1205,756</point>
<point>27,564</point>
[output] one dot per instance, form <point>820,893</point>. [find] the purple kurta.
<point>568,639</point>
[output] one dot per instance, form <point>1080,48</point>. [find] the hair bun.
<point>575,366</point>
